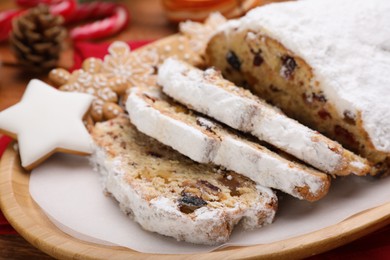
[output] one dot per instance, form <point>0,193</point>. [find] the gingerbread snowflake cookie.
<point>120,70</point>
<point>93,80</point>
<point>134,68</point>
<point>199,34</point>
<point>190,44</point>
<point>139,68</point>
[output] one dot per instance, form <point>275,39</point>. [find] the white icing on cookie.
<point>47,120</point>
<point>135,68</point>
<point>347,43</point>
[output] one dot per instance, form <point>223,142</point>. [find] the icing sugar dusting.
<point>347,43</point>
<point>223,148</point>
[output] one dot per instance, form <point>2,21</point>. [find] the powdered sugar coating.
<point>347,43</point>
<point>160,214</point>
<point>207,92</point>
<point>174,133</point>
<point>227,150</point>
<point>265,168</point>
<point>190,86</point>
<point>122,157</point>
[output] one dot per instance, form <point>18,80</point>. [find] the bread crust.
<point>169,194</point>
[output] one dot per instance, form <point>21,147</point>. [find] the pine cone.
<point>37,38</point>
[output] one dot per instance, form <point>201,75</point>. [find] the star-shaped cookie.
<point>47,120</point>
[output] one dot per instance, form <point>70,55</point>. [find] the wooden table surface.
<point>147,22</point>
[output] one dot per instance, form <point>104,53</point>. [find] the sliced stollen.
<point>167,193</point>
<point>207,92</point>
<point>204,141</point>
<point>306,58</point>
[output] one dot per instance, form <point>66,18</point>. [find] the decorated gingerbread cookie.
<point>47,120</point>
<point>198,34</point>
<point>134,68</point>
<point>122,68</point>
<point>139,68</point>
<point>91,79</point>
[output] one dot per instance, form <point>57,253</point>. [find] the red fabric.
<point>374,246</point>
<point>83,50</point>
<point>5,227</point>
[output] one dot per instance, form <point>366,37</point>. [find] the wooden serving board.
<point>32,223</point>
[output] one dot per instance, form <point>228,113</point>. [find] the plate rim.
<point>44,235</point>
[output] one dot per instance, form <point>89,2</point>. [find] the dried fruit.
<point>229,181</point>
<point>345,135</point>
<point>257,59</point>
<point>324,114</point>
<point>288,66</point>
<point>233,60</point>
<point>208,187</point>
<point>319,97</point>
<point>188,203</point>
<point>349,117</point>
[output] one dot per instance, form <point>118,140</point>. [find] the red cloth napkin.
<point>374,246</point>
<point>83,50</point>
<point>5,227</point>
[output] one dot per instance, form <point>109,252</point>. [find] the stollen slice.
<point>209,93</point>
<point>205,141</point>
<point>167,193</point>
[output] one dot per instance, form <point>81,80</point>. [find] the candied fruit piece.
<point>208,186</point>
<point>324,114</point>
<point>319,97</point>
<point>189,202</point>
<point>257,59</point>
<point>346,135</point>
<point>288,66</point>
<point>230,182</point>
<point>349,117</point>
<point>233,60</point>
